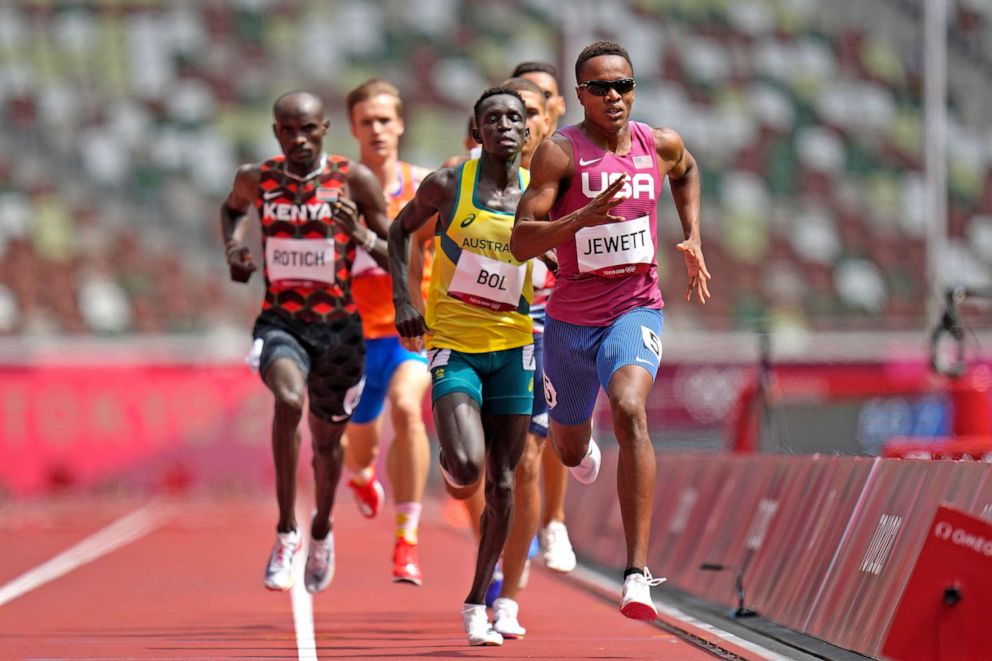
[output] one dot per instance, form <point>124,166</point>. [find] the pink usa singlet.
<point>607,270</point>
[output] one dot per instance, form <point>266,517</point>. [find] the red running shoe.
<point>368,496</point>
<point>406,568</point>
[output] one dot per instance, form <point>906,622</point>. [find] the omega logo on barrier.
<point>960,537</point>
<point>943,530</point>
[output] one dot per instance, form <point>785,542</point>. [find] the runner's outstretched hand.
<point>597,212</point>
<point>695,266</point>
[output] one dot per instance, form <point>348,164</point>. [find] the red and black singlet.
<point>307,257</point>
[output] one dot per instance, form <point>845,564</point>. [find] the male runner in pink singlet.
<point>593,196</point>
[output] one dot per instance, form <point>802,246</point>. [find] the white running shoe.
<point>558,553</point>
<point>477,626</point>
<point>636,602</point>
<point>505,622</point>
<point>319,569</point>
<point>279,571</point>
<point>588,469</point>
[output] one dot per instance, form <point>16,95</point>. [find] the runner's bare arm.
<point>433,196</point>
<point>418,249</point>
<point>683,175</point>
<point>532,234</point>
<point>234,222</point>
<point>368,203</point>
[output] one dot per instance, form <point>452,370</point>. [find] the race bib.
<point>615,250</point>
<point>487,283</point>
<point>365,265</point>
<point>299,262</point>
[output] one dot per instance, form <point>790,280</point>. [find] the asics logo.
<point>271,194</point>
<point>468,220</point>
<point>584,162</point>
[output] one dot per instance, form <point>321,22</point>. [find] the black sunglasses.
<point>603,87</point>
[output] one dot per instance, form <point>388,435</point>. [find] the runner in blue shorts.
<point>393,373</point>
<point>594,198</point>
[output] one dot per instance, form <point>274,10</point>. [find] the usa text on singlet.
<point>609,269</point>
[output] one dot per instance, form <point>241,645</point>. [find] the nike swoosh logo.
<point>268,195</point>
<point>584,162</point>
<point>339,418</point>
<point>641,360</point>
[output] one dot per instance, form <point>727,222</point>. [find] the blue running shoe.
<point>535,548</point>
<point>495,585</point>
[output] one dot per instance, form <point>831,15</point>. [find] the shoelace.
<point>651,580</point>
<point>284,554</point>
<point>557,536</point>
<point>478,619</point>
<point>505,610</point>
<point>319,560</point>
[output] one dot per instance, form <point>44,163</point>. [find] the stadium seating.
<point>123,123</point>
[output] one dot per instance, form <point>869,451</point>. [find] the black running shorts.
<point>330,354</point>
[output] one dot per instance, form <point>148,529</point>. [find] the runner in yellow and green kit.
<point>477,327</point>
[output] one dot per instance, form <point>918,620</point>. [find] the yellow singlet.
<point>479,295</point>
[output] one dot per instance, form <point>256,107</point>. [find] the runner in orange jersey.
<point>393,372</point>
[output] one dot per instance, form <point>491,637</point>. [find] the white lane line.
<point>306,642</point>
<point>122,531</point>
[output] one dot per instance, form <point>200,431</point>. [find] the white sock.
<point>364,476</point>
<point>407,520</point>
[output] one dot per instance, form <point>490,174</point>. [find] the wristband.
<point>371,241</point>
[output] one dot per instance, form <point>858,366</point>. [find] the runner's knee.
<point>500,487</point>
<point>290,399</point>
<point>529,467</point>
<point>406,411</point>
<point>463,469</point>
<point>628,408</point>
<point>327,445</point>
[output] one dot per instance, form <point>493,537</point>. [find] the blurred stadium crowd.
<point>123,122</point>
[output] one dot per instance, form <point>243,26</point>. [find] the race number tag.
<point>487,283</point>
<point>651,341</point>
<point>299,262</point>
<point>615,250</point>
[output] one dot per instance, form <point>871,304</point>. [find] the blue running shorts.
<point>578,360</point>
<point>383,356</point>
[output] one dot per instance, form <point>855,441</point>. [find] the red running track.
<point>182,579</point>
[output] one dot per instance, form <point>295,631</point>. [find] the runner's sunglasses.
<point>602,87</point>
